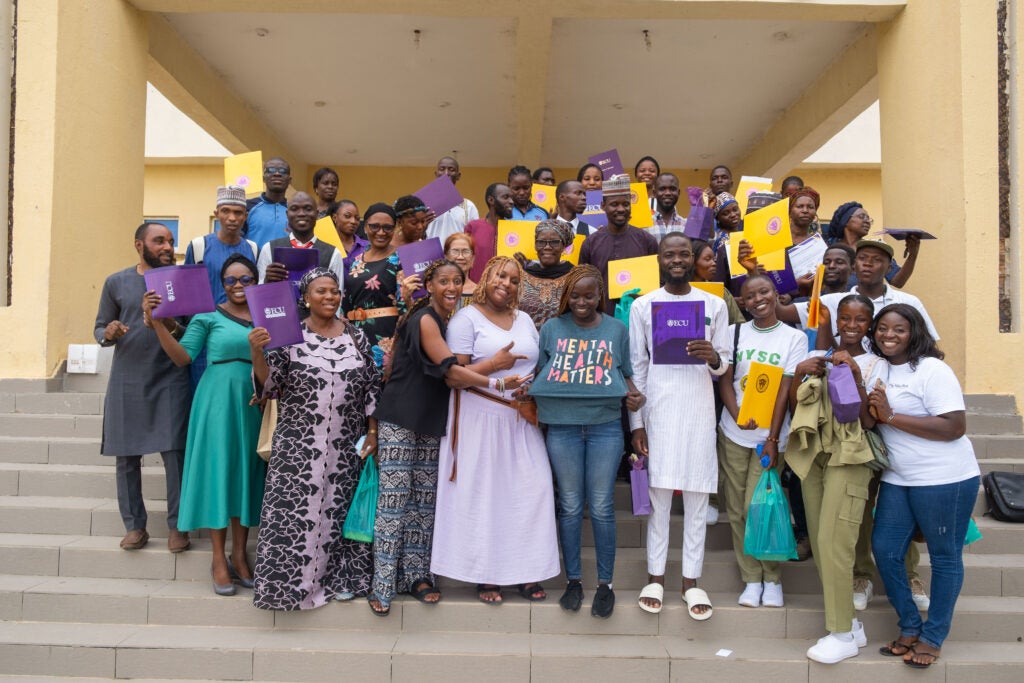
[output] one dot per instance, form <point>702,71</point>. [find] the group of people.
<point>500,403</point>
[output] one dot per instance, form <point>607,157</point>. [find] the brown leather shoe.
<point>178,541</point>
<point>135,539</point>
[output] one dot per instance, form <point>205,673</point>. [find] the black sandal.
<point>427,589</point>
<point>920,665</point>
<point>889,650</point>
<point>482,588</point>
<point>527,590</point>
<point>383,612</point>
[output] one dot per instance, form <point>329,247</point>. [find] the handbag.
<point>268,424</point>
<point>1005,494</point>
<point>842,391</point>
<point>639,484</point>
<point>527,409</point>
<point>362,513</point>
<point>878,449</point>
<point>769,533</point>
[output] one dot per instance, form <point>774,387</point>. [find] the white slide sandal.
<point>695,597</point>
<point>654,591</point>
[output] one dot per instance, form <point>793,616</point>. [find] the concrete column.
<point>937,92</point>
<point>78,171</point>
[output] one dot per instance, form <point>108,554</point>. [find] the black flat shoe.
<point>572,598</point>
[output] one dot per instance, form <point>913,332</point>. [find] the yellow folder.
<point>760,389</point>
<point>814,305</point>
<point>767,230</point>
<point>630,273</point>
<point>325,231</point>
<point>572,252</point>
<point>544,197</point>
<point>516,236</point>
<point>749,184</point>
<point>716,288</point>
<point>640,216</point>
<point>245,170</point>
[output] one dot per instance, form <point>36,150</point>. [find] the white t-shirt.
<point>780,345</point>
<point>931,389</point>
<point>453,220</point>
<point>891,295</point>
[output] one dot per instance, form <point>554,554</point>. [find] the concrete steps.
<point>74,606</point>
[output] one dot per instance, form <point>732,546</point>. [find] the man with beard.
<point>484,231</point>
<point>618,239</point>
<point>301,221</point>
<point>571,201</point>
<point>678,442</point>
<point>147,401</point>
<point>266,217</point>
<point>666,218</point>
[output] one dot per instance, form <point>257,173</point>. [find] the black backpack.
<point>1005,494</point>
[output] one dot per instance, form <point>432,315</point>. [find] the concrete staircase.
<point>72,604</point>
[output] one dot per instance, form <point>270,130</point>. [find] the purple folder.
<point>298,262</point>
<point>414,259</point>
<point>674,324</point>
<point>598,218</point>
<point>185,290</point>
<point>439,195</point>
<point>273,307</point>
<point>785,280</point>
<point>608,162</point>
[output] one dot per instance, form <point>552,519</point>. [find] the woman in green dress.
<point>222,483</point>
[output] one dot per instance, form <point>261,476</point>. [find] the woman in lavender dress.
<point>327,387</point>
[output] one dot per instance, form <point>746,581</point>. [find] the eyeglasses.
<point>246,280</point>
<point>863,216</point>
<point>380,227</point>
<point>460,252</point>
<point>540,244</point>
<point>273,170</point>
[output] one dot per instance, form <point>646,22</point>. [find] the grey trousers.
<point>129,488</point>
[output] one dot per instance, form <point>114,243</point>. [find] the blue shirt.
<point>214,256</point>
<point>581,371</point>
<point>266,220</point>
<point>533,213</point>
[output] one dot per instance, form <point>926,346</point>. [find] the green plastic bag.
<point>625,303</point>
<point>769,533</point>
<point>973,533</point>
<point>363,511</point>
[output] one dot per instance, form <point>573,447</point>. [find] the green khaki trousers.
<point>740,469</point>
<point>835,499</point>
<point>864,565</point>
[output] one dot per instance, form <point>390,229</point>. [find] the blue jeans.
<point>942,513</point>
<point>585,460</point>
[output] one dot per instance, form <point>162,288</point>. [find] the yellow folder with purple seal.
<point>246,171</point>
<point>544,197</point>
<point>518,236</point>
<point>640,215</point>
<point>631,273</point>
<point>760,389</point>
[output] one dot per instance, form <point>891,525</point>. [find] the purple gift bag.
<point>700,223</point>
<point>639,483</point>
<point>842,390</point>
<point>185,290</point>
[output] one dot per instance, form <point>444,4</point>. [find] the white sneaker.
<point>863,591</point>
<point>859,635</point>
<point>751,595</point>
<point>831,650</point>
<point>712,517</point>
<point>772,596</point>
<point>921,598</point>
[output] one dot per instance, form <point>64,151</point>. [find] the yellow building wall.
<point>188,193</point>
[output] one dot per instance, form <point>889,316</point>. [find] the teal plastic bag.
<point>625,303</point>
<point>973,533</point>
<point>363,511</point>
<point>769,533</point>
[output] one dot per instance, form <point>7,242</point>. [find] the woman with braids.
<point>327,389</point>
<point>544,279</point>
<point>583,373</point>
<point>495,520</point>
<point>411,216</point>
<point>931,483</point>
<point>325,187</point>
<point>409,435</point>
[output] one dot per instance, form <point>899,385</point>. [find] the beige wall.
<point>186,192</point>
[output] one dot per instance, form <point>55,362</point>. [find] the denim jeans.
<point>942,513</point>
<point>585,460</point>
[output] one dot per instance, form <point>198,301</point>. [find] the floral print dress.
<point>371,285</point>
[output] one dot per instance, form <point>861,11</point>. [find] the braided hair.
<point>428,275</point>
<point>572,279</point>
<point>497,263</point>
